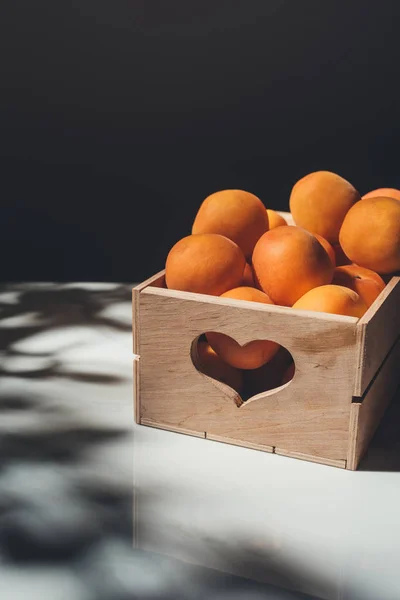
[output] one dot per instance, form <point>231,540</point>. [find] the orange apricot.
<point>319,202</point>
<point>205,263</point>
<point>288,262</point>
<point>253,354</point>
<point>328,247</point>
<point>236,214</point>
<point>212,365</point>
<point>275,219</point>
<point>247,293</point>
<point>365,282</point>
<point>370,234</point>
<point>334,299</point>
<point>383,193</point>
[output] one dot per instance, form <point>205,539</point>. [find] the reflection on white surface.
<point>66,481</point>
<point>325,531</point>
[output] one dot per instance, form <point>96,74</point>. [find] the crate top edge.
<point>253,306</point>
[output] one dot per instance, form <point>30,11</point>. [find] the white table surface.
<point>66,450</point>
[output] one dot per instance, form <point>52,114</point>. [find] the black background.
<point>118,117</point>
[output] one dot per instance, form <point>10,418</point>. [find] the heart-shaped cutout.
<point>242,385</point>
<point>252,355</point>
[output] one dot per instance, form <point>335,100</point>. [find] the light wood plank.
<point>155,281</point>
<point>150,423</point>
<point>353,429</point>
<point>368,413</point>
<point>136,346</point>
<point>341,464</point>
<point>309,416</point>
<point>236,442</point>
<point>377,331</point>
<point>273,309</point>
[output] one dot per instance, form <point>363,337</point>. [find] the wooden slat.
<point>377,331</point>
<point>136,345</point>
<point>150,423</point>
<point>293,315</point>
<point>366,415</point>
<point>236,442</point>
<point>155,281</point>
<point>341,464</point>
<point>353,428</point>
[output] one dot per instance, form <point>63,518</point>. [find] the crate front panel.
<point>310,415</point>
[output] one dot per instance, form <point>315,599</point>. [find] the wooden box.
<point>346,373</point>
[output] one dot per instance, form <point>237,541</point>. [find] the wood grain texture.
<point>236,442</point>
<point>377,331</point>
<point>351,463</point>
<point>366,415</point>
<point>136,349</point>
<point>156,280</point>
<point>310,415</point>
<point>341,464</point>
<point>149,423</point>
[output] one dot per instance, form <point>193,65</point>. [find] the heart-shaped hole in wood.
<point>243,385</point>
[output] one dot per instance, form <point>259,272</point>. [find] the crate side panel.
<point>377,332</point>
<point>374,404</point>
<point>310,415</point>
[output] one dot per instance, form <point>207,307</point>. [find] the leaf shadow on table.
<point>56,499</point>
<point>383,453</point>
<point>53,503</point>
<point>27,310</point>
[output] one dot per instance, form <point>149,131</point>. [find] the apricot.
<point>253,354</point>
<point>269,376</point>
<point>383,193</point>
<point>288,374</point>
<point>212,365</point>
<point>247,293</point>
<point>365,282</point>
<point>341,258</point>
<point>288,262</point>
<point>328,247</point>
<point>236,214</point>
<point>334,299</point>
<point>275,219</point>
<point>205,263</point>
<point>248,277</point>
<point>319,202</point>
<point>370,234</point>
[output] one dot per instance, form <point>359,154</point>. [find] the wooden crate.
<point>346,373</point>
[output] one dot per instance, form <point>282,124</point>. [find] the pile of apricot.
<point>332,260</point>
